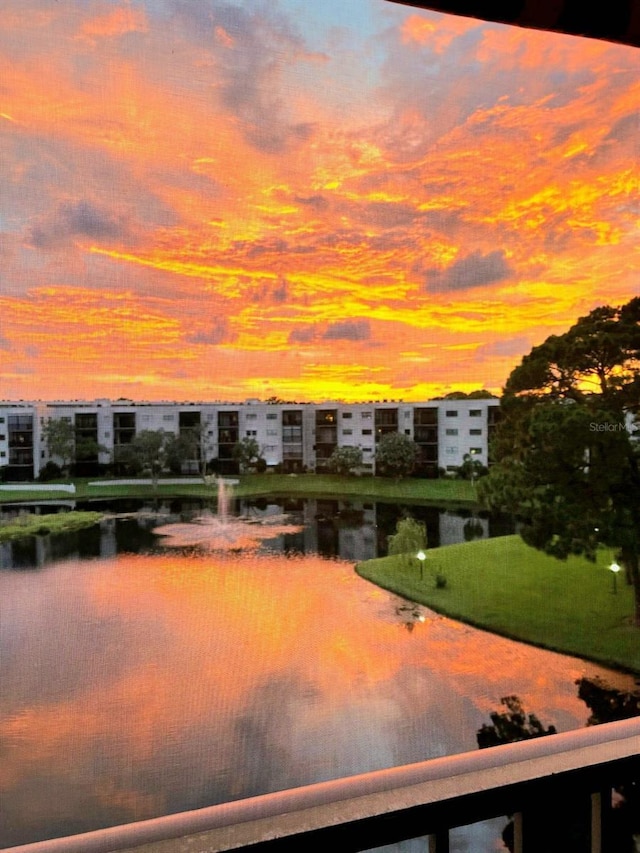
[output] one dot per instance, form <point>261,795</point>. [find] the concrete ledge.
<point>448,791</point>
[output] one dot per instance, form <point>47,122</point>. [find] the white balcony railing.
<point>414,801</point>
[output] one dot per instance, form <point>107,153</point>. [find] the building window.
<point>407,432</point>
<point>227,419</point>
<point>407,415</point>
<point>293,418</point>
<point>451,432</point>
<point>272,416</point>
<point>272,432</point>
<point>367,432</point>
<point>292,434</point>
<point>252,416</point>
<point>475,432</point>
<point>2,454</point>
<point>168,417</point>
<point>250,433</point>
<point>347,432</point>
<point>451,413</point>
<point>475,413</point>
<point>366,416</point>
<point>347,415</point>
<point>476,450</point>
<point>451,451</point>
<point>3,437</point>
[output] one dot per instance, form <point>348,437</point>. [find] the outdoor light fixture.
<point>422,557</point>
<point>614,568</point>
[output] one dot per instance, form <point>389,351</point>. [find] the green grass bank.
<point>508,588</point>
<point>59,522</point>
<point>459,492</point>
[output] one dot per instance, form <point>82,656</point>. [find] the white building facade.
<point>294,437</point>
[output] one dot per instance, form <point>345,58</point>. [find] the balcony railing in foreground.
<point>414,801</point>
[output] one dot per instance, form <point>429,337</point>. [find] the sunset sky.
<point>342,199</point>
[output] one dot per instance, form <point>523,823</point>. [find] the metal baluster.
<point>439,842</point>
<point>518,839</point>
<point>596,822</point>
<point>601,806</point>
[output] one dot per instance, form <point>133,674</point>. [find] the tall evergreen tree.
<point>567,461</point>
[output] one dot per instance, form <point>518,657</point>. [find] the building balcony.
<point>423,800</point>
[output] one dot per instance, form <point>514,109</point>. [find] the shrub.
<point>50,471</point>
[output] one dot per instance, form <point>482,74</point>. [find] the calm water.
<point>139,684</point>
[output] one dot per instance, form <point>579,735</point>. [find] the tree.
<point>410,538</point>
<point>60,438</point>
<point>396,455</point>
<point>146,453</point>
<point>68,446</point>
<point>126,460</point>
<point>471,468</point>
<point>247,453</point>
<point>481,394</point>
<point>567,464</point>
<point>345,460</point>
<point>193,445</point>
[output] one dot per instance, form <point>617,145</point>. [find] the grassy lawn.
<point>58,522</point>
<point>262,485</point>
<point>508,588</point>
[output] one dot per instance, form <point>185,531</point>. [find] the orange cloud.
<point>117,22</point>
<point>238,205</point>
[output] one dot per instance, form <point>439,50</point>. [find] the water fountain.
<point>222,531</point>
<point>224,497</point>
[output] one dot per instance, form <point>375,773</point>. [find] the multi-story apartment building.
<point>296,436</point>
<point>18,437</point>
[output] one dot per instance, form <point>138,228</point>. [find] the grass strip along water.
<point>41,525</point>
<point>458,492</point>
<point>508,588</point>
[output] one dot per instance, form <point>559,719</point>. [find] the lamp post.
<point>421,557</point>
<point>614,568</point>
<point>472,453</point>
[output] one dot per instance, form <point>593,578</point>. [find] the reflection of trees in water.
<point>606,703</point>
<point>561,824</point>
<point>511,725</point>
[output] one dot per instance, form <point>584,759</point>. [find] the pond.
<point>168,660</point>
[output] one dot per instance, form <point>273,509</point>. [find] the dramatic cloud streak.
<point>220,200</point>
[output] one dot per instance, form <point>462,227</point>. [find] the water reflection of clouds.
<point>157,683</point>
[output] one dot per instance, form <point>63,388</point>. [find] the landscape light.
<point>614,568</point>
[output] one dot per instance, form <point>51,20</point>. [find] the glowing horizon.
<point>363,201</point>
